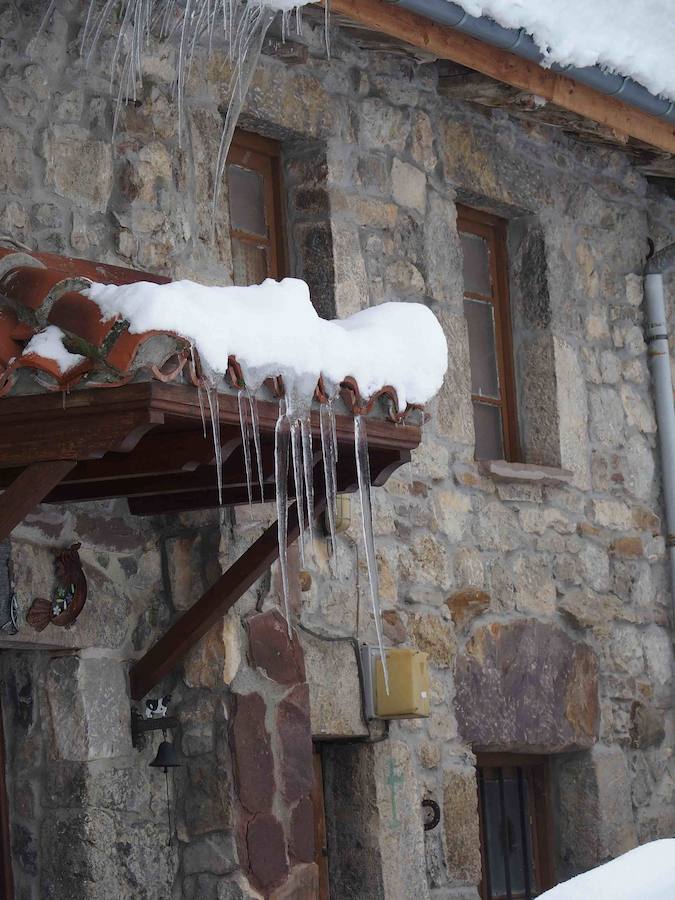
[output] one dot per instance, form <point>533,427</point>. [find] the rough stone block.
<point>206,803</point>
<point>461,830</point>
<point>89,707</point>
<point>214,853</point>
<point>334,688</point>
<point>266,850</point>
<point>271,649</point>
<point>301,884</point>
<point>295,744</point>
<point>409,186</point>
<point>595,815</point>
<point>252,752</point>
<point>77,167</point>
<point>526,686</point>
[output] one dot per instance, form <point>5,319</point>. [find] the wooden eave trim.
<point>446,43</point>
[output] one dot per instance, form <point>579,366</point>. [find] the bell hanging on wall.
<point>166,759</point>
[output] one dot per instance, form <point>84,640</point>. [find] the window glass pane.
<point>487,421</point>
<point>482,348</point>
<point>493,838</point>
<point>476,264</point>
<point>513,835</point>
<point>247,200</point>
<point>249,263</point>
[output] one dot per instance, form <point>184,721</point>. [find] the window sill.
<point>524,473</point>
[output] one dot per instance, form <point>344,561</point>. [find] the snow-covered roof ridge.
<point>273,331</point>
<point>635,38</point>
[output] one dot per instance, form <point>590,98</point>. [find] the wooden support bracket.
<point>28,489</point>
<point>162,658</point>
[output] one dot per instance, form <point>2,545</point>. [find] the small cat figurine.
<point>156,708</point>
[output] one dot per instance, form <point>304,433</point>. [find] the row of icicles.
<point>241,24</point>
<point>293,449</point>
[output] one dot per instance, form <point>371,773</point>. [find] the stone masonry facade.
<point>544,607</point>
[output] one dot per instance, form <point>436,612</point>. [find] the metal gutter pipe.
<point>519,42</point>
<point>658,352</point>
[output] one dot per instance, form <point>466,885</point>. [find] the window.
<point>254,191</point>
<point>486,307</point>
<point>514,826</point>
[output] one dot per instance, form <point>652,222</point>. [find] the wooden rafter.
<point>28,489</point>
<point>193,625</point>
<point>527,75</point>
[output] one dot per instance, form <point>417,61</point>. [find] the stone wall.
<point>473,568</point>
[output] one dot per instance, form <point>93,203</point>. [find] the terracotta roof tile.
<point>41,289</point>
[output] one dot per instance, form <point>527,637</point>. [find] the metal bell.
<point>166,757</point>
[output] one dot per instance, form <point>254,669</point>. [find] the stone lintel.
<point>525,473</point>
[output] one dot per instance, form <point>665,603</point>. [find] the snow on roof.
<point>634,38</point>
<point>272,329</point>
<point>49,343</point>
<point>646,873</point>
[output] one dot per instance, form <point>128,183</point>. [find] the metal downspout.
<point>519,42</point>
<point>658,352</point>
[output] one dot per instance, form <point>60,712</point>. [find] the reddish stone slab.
<point>301,884</point>
<point>295,740</point>
<point>272,650</point>
<point>252,754</point>
<point>266,846</point>
<point>301,840</point>
<point>527,686</point>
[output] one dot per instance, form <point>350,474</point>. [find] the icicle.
<point>281,441</point>
<point>246,66</point>
<point>245,443</point>
<point>363,472</point>
<point>255,425</point>
<point>214,409</point>
<point>326,26</point>
<point>201,407</point>
<point>308,465</point>
<point>333,429</point>
<point>329,473</point>
<point>298,481</point>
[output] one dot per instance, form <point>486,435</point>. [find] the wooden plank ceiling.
<point>146,442</point>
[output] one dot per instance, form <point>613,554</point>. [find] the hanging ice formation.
<point>274,331</point>
<point>241,25</point>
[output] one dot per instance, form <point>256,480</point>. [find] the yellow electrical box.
<point>408,696</point>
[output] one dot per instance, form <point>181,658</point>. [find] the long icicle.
<point>363,472</point>
<point>246,445</point>
<point>281,441</point>
<point>255,425</point>
<point>329,474</point>
<point>308,465</point>
<point>296,452</point>
<point>214,409</point>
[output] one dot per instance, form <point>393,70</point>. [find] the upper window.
<point>514,826</point>
<point>254,191</point>
<point>486,307</point>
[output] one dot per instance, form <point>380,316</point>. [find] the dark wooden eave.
<point>145,442</point>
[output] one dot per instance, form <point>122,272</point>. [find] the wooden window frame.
<point>263,155</point>
<point>536,769</point>
<point>6,876</point>
<point>494,231</point>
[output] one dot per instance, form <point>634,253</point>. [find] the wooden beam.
<point>162,658</point>
<point>6,876</point>
<point>447,43</point>
<point>28,489</point>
